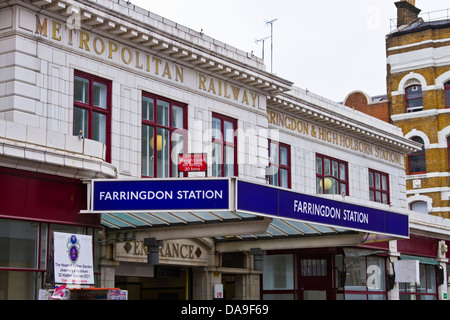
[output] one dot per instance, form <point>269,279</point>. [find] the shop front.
<point>393,269</point>
<point>33,206</point>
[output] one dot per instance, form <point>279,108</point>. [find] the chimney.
<point>406,12</point>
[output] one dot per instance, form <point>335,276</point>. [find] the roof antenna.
<point>262,40</point>
<point>271,44</point>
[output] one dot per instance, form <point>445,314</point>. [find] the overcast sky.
<point>329,47</point>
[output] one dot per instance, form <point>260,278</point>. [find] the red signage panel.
<point>192,162</point>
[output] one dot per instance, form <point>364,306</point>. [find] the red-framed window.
<point>331,175</point>
<point>417,160</point>
<point>365,278</point>
<point>92,109</point>
<point>426,289</point>
<point>279,171</point>
<point>164,124</point>
<point>447,94</point>
<point>414,98</point>
<point>379,186</point>
<point>224,146</point>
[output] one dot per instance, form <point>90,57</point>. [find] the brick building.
<point>418,88</point>
<point>377,106</point>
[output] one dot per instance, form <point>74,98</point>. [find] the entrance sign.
<point>160,195</point>
<point>192,162</point>
<point>73,259</point>
<point>281,203</point>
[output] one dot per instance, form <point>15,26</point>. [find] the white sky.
<point>329,47</point>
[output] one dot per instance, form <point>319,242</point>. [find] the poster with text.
<point>73,259</point>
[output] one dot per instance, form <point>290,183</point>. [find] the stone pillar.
<point>203,281</point>
<point>443,261</point>
<point>247,286</point>
<point>393,294</point>
<point>108,273</point>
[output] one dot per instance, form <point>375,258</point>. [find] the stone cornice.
<point>176,43</point>
<point>308,106</point>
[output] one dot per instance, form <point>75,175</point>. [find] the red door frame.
<point>319,283</point>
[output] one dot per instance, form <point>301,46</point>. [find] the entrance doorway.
<point>168,283</point>
<point>314,280</point>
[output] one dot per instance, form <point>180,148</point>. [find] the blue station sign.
<point>160,195</point>
<point>231,194</point>
<point>282,203</point>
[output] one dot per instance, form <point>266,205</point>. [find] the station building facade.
<point>105,90</point>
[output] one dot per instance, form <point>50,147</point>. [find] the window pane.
<point>377,181</point>
<point>217,160</point>
<point>343,188</point>
<point>273,178</point>
<point>147,151</point>
<point>81,89</point>
<point>313,267</point>
<point>273,153</point>
<point>331,186</point>
<point>162,112</point>
<point>100,95</point>
<point>417,164</point>
<point>413,103</point>
<point>19,285</point>
<point>335,169</point>
<point>342,172</point>
<point>378,196</point>
<point>177,148</point>
<point>431,276</point>
<point>384,184</point>
<point>319,165</point>
<point>376,274</point>
<point>229,161</point>
<point>385,198</point>
<point>229,131</point>
<point>371,195</point>
<point>280,272</point>
<point>319,185</point>
<point>81,122</point>
<point>283,156</point>
<point>163,153</point>
<point>148,109</point>
<point>326,165</point>
<point>284,178</point>
<point>216,129</point>
<point>356,274</point>
<point>371,180</point>
<point>99,127</point>
<point>177,117</point>
<point>18,244</point>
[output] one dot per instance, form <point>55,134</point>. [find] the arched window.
<point>417,159</point>
<point>419,206</point>
<point>414,98</point>
<point>447,94</point>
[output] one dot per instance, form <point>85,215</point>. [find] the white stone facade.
<point>141,52</point>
